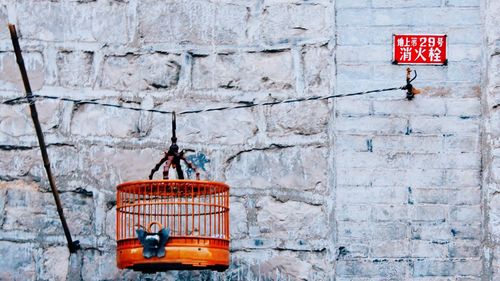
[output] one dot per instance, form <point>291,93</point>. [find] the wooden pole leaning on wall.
<point>73,246</point>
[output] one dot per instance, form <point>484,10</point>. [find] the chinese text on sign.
<point>419,49</point>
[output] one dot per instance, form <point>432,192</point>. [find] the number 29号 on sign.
<point>419,49</point>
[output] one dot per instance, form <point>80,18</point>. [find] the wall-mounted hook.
<point>410,90</point>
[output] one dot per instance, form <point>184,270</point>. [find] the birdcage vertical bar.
<point>227,215</point>
<point>179,210</point>
<point>133,213</point>
<point>211,210</point>
<point>223,215</point>
<point>130,213</point>
<point>204,210</point>
<point>219,213</point>
<point>118,216</point>
<point>157,194</point>
<point>168,209</point>
<point>162,205</point>
<point>127,212</point>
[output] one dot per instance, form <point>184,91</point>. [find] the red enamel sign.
<point>419,49</point>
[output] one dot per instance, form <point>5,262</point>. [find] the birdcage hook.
<point>172,158</point>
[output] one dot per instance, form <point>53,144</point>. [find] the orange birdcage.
<point>172,224</point>
<point>195,212</point>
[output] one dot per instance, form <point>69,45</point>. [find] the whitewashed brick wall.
<point>361,188</point>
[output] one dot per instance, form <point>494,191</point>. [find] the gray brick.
<point>356,54</point>
<point>22,265</point>
<point>407,144</point>
<point>466,72</point>
<point>246,169</point>
<point>468,196</point>
<point>463,53</point>
<point>461,143</point>
<point>466,231</point>
<point>357,85</point>
<point>433,268</point>
<point>381,213</point>
<point>462,178</point>
<point>350,212</point>
<point>463,35</point>
<point>53,21</point>
<point>427,74</point>
<point>289,23</point>
<point>463,107</point>
<point>434,196</point>
<point>429,213</point>
<point>249,72</point>
<point>447,268</point>
<point>462,3</point>
<point>4,32</point>
<point>111,22</point>
<point>55,263</point>
<point>428,249</point>
<point>353,17</point>
<point>349,107</point>
<point>465,249</point>
<point>354,71</point>
<point>432,231</point>
<point>372,124</point>
<point>346,142</point>
<point>25,210</point>
<point>466,213</point>
<point>444,125</point>
<point>390,249</point>
<point>393,17</point>
<point>9,72</point>
<point>451,160</point>
<point>285,220</point>
<point>371,195</point>
<point>155,71</point>
<point>496,262</point>
<point>230,23</point>
<point>420,107</point>
<point>355,36</point>
<point>377,231</point>
<point>405,3</point>
<point>317,63</point>
<point>114,124</point>
<point>391,177</point>
<point>189,22</point>
<point>283,121</point>
<point>388,270</point>
<point>340,4</point>
<point>495,169</point>
<point>371,160</point>
<point>74,68</point>
<point>452,17</point>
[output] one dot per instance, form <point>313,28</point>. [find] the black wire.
<point>33,98</point>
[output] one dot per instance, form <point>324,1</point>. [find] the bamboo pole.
<point>73,246</point>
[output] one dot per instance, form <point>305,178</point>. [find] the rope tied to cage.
<point>172,158</point>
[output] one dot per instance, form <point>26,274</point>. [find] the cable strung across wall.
<point>33,98</point>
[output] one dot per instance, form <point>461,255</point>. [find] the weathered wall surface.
<point>491,139</point>
<point>408,174</point>
<point>361,188</point>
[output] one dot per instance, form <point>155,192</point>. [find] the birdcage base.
<point>191,257</point>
